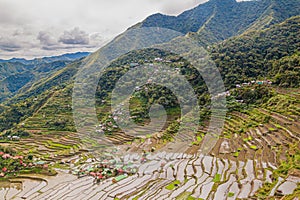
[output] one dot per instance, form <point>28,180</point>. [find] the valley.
<point>256,156</point>
<point>53,145</point>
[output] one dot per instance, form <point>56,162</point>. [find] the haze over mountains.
<point>255,45</point>
<point>209,23</point>
<point>17,73</point>
<point>249,19</point>
<point>65,57</point>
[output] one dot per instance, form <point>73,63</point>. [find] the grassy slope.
<point>46,113</point>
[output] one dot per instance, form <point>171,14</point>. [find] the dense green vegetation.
<point>257,55</point>
<point>260,68</point>
<point>18,75</point>
<point>7,69</point>
<point>287,71</point>
<point>261,55</point>
<point>218,20</point>
<point>12,165</point>
<point>254,94</point>
<point>17,112</point>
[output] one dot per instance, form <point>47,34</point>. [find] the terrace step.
<point>152,180</point>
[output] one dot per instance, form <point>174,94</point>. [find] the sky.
<point>37,28</point>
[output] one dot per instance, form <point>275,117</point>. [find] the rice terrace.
<point>200,102</point>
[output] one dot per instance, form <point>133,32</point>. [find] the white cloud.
<point>46,39</point>
<point>75,36</point>
<point>40,28</point>
<point>10,45</point>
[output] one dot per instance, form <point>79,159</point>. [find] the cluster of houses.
<point>14,137</point>
<point>109,167</point>
<point>12,164</point>
<point>104,171</point>
<point>134,64</point>
<point>110,123</point>
<point>227,94</point>
<point>11,138</point>
<point>107,127</point>
<point>157,60</point>
<point>267,82</point>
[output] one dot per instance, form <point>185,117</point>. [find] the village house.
<point>41,164</point>
<point>134,65</point>
<point>15,138</point>
<point>158,59</point>
<point>258,82</point>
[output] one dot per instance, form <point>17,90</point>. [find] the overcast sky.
<point>36,28</point>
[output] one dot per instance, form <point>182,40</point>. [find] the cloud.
<point>35,28</point>
<point>66,47</point>
<point>75,36</point>
<point>7,44</point>
<point>46,39</point>
<point>70,40</point>
<point>9,16</point>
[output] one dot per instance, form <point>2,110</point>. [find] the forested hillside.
<point>272,54</point>
<point>19,75</point>
<point>218,20</point>
<point>7,69</point>
<point>253,145</point>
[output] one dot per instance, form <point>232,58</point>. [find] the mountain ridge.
<point>64,77</point>
<point>19,74</point>
<point>259,62</point>
<point>47,59</point>
<point>218,20</point>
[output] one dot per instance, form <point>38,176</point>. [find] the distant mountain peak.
<point>217,20</point>
<point>47,59</point>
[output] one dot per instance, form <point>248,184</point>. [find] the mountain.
<point>262,55</point>
<point>252,44</point>
<point>208,23</point>
<point>35,61</point>
<point>218,20</point>
<point>254,55</point>
<point>15,60</point>
<point>12,84</point>
<point>7,69</point>
<point>18,75</point>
